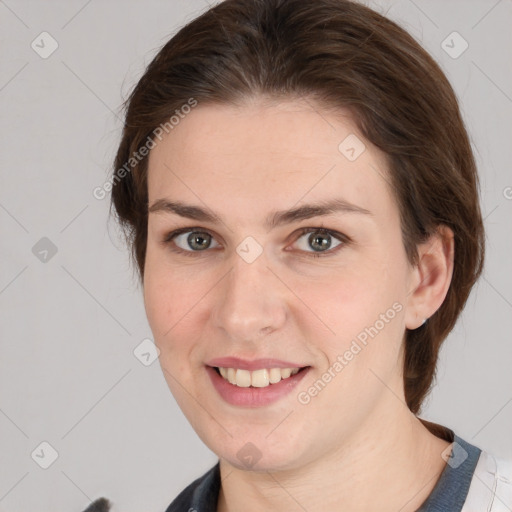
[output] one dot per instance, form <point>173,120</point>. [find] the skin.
<point>355,446</point>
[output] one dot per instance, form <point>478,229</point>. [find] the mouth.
<point>260,378</point>
<point>259,387</point>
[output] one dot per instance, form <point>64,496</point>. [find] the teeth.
<point>258,378</point>
<point>231,376</point>
<point>243,378</point>
<point>286,372</point>
<point>275,375</point>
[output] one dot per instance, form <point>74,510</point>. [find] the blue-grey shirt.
<point>449,493</point>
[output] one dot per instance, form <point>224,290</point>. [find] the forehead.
<point>267,155</point>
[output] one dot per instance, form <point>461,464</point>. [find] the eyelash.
<point>339,236</point>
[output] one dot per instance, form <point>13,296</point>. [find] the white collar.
<point>491,485</point>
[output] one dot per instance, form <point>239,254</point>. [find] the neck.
<point>391,463</point>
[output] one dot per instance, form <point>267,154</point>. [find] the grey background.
<point>69,326</point>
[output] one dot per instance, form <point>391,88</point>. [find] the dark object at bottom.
<point>100,505</point>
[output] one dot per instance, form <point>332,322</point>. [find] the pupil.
<point>202,242</point>
<point>322,245</point>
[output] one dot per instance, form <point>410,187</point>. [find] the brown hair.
<point>345,56</point>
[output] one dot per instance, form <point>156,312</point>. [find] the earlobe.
<point>432,277</point>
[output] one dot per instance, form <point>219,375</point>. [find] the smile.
<point>254,388</point>
<point>257,378</point>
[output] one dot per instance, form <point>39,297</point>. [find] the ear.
<point>430,278</point>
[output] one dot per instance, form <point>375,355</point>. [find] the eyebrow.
<point>274,219</point>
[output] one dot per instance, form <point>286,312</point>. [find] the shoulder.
<point>491,485</point>
<point>201,494</point>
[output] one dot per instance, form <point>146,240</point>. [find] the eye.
<point>190,241</point>
<point>320,239</point>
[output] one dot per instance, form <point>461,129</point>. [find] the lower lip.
<point>254,397</point>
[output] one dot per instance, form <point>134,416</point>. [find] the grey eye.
<point>319,241</point>
<point>197,240</point>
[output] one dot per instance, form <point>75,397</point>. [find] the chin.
<point>263,465</point>
<point>259,456</point>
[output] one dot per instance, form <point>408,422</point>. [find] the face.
<point>324,291</point>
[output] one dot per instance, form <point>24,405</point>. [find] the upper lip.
<point>254,364</point>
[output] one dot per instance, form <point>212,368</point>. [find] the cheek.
<point>363,309</point>
<point>367,319</point>
<point>348,301</point>
<point>156,301</point>
<point>163,299</point>
<point>174,302</point>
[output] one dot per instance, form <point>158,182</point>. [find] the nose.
<point>250,302</point>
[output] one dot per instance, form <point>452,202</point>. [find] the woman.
<point>301,198</point>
